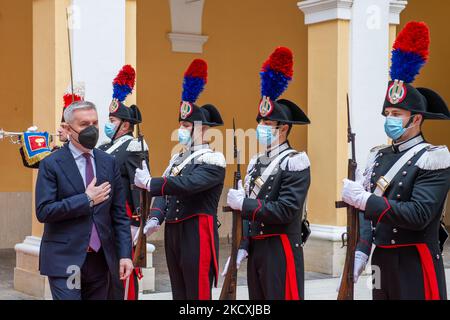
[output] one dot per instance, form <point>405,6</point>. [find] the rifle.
<point>351,237</point>
<point>230,283</point>
<point>140,254</point>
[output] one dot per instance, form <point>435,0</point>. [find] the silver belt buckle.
<point>259,182</point>
<point>175,171</point>
<point>382,183</point>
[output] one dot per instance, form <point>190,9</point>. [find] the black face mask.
<point>88,137</point>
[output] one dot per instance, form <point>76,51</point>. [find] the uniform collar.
<point>274,151</point>
<point>199,147</point>
<point>187,152</point>
<point>408,144</point>
<point>123,138</point>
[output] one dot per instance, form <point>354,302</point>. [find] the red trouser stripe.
<point>131,295</point>
<point>429,273</point>
<point>291,292</point>
<point>206,253</point>
<point>128,210</point>
<point>291,287</point>
<point>131,291</point>
<point>430,284</point>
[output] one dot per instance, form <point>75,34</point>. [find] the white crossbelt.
<point>118,143</point>
<point>384,181</point>
<point>174,171</point>
<point>259,182</point>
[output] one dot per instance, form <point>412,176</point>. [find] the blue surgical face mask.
<point>184,136</point>
<point>110,129</point>
<point>265,135</point>
<point>393,127</point>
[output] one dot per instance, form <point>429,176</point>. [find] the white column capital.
<point>324,10</point>
<point>395,8</point>
<point>186,17</point>
<point>185,42</point>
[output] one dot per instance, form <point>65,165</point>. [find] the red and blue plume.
<point>195,79</point>
<point>124,83</point>
<point>410,51</point>
<point>276,73</point>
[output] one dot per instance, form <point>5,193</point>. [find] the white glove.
<point>142,177</point>
<point>235,198</point>
<point>354,193</point>
<point>360,264</point>
<point>151,226</point>
<point>32,129</point>
<point>358,267</point>
<point>241,255</point>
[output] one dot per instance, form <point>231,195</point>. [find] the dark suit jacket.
<point>62,205</point>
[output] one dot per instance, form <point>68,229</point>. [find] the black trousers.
<point>268,263</point>
<point>398,274</point>
<point>93,280</point>
<point>191,254</point>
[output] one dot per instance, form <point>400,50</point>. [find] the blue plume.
<point>273,83</point>
<point>192,87</point>
<point>121,91</point>
<point>406,65</point>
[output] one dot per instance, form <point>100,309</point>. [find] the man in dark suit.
<point>86,245</point>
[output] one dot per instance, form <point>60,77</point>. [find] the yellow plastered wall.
<point>327,137</point>
<point>16,83</point>
<point>242,34</point>
<point>435,73</point>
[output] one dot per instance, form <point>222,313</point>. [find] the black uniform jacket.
<point>278,207</point>
<point>129,157</point>
<point>410,210</point>
<point>195,190</point>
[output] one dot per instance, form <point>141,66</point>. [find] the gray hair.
<point>77,105</point>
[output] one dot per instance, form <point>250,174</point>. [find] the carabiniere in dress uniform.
<point>273,198</point>
<point>404,187</point>
<point>127,151</point>
<point>187,196</point>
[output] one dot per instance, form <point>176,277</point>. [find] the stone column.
<point>348,46</point>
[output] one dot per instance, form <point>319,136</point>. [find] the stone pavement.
<point>162,275</point>
<point>317,286</point>
<point>319,289</point>
<point>7,263</point>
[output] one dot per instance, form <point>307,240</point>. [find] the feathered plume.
<point>124,83</point>
<point>78,94</point>
<point>195,79</point>
<point>410,51</point>
<point>276,73</point>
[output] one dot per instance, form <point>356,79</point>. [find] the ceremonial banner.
<point>35,146</point>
